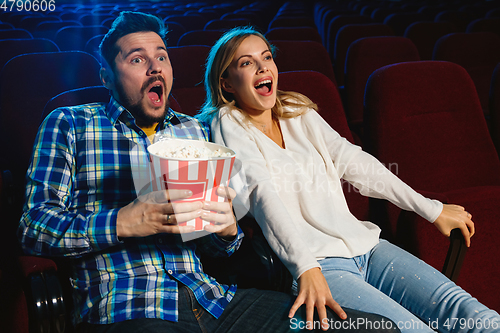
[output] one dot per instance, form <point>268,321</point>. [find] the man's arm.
<point>52,223</point>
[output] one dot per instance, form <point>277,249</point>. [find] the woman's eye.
<point>245,63</point>
<point>269,57</point>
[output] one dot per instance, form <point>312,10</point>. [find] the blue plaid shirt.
<point>79,177</point>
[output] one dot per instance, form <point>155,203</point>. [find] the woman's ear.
<point>226,85</point>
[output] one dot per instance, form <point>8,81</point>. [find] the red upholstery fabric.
<point>188,68</point>
<point>347,35</point>
<point>363,57</point>
<point>425,34</point>
<point>14,47</point>
<point>495,107</point>
<point>323,92</point>
<point>294,33</point>
<point>477,52</point>
<point>426,118</point>
<point>294,55</point>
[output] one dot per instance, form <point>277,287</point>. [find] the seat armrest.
<point>456,255</point>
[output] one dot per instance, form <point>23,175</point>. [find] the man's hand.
<point>315,293</point>
<point>221,214</point>
<point>155,213</point>
<point>454,216</point>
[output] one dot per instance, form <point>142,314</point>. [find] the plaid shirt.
<point>79,177</point>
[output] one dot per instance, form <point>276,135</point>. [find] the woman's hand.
<point>315,293</point>
<point>454,216</point>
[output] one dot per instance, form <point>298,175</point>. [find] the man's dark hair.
<point>126,23</point>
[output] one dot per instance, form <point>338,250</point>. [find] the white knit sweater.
<point>295,194</point>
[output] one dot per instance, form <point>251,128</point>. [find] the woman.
<point>293,163</point>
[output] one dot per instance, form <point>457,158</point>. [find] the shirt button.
<point>170,272</point>
<point>160,241</point>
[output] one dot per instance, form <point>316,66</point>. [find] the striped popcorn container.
<point>192,165</point>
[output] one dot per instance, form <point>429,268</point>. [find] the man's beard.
<point>137,109</point>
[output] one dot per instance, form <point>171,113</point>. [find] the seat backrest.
<point>189,22</point>
<point>348,34</point>
<point>295,55</point>
<point>27,83</point>
<point>294,33</point>
<point>321,90</point>
<point>286,21</point>
<point>200,37</point>
<point>338,22</point>
<point>49,29</point>
<point>425,34</point>
<point>15,34</point>
<point>188,69</point>
<point>400,21</point>
<point>425,117</point>
<point>14,47</point>
<point>363,57</point>
<point>477,52</point>
<point>491,24</point>
<point>75,38</point>
<point>226,24</point>
<point>459,18</point>
<point>30,22</point>
<point>175,31</point>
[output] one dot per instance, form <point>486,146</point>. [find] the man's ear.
<point>226,85</point>
<point>106,78</point>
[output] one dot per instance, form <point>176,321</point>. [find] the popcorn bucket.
<point>202,175</point>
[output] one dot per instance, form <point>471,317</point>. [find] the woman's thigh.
<point>346,279</point>
<point>426,292</point>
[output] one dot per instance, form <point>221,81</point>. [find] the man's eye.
<point>136,60</point>
<point>162,58</point>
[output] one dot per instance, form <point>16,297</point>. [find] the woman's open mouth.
<point>264,86</point>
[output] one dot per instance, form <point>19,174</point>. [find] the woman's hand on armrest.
<point>454,216</point>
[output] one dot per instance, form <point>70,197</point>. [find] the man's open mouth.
<point>155,93</point>
<point>264,86</point>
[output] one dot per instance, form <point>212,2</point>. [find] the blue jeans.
<point>250,310</point>
<point>418,298</point>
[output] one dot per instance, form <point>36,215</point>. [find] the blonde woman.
<point>293,163</point>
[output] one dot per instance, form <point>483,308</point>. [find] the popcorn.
<point>191,152</point>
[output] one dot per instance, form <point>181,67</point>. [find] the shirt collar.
<point>114,110</point>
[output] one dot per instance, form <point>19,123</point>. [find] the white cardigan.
<point>295,194</point>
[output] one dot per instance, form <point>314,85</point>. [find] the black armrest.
<point>456,255</point>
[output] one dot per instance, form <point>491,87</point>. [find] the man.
<point>132,271</point>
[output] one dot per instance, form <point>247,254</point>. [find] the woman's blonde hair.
<point>220,57</point>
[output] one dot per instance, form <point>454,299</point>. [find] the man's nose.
<point>154,67</point>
